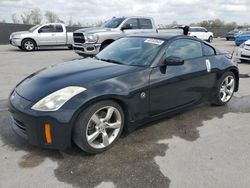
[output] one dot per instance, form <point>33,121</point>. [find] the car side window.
<point>184,49</point>
<point>133,22</point>
<point>145,23</point>
<point>59,29</point>
<point>208,50</point>
<point>47,29</point>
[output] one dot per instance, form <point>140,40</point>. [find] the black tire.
<point>28,45</point>
<point>103,46</point>
<point>70,47</point>
<point>210,39</point>
<point>227,38</point>
<point>216,99</point>
<point>80,129</point>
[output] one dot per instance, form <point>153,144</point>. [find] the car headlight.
<point>92,38</point>
<point>57,99</point>
<point>242,45</point>
<point>16,36</point>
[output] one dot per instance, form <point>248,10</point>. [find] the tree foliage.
<point>52,17</point>
<point>32,17</point>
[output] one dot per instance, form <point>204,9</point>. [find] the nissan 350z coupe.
<point>135,80</point>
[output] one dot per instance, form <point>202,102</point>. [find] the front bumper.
<point>243,54</point>
<point>30,125</point>
<point>87,49</point>
<point>15,42</point>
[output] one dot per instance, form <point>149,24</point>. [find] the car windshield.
<point>133,51</point>
<point>34,28</point>
<point>114,23</point>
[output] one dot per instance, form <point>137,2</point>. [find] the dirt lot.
<point>205,147</point>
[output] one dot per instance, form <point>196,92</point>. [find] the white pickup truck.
<point>50,34</point>
<point>90,41</point>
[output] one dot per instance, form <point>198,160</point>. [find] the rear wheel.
<point>103,46</point>
<point>28,45</point>
<point>98,127</point>
<point>225,89</point>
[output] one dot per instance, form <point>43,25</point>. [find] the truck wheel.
<point>103,46</point>
<point>99,126</point>
<point>28,45</point>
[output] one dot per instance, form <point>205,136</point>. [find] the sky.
<point>163,11</point>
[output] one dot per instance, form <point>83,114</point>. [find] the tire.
<point>225,89</point>
<point>227,38</point>
<point>70,47</point>
<point>103,46</point>
<point>92,133</point>
<point>210,39</point>
<point>20,47</point>
<point>28,45</point>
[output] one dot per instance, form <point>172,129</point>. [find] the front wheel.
<point>28,45</point>
<point>98,127</point>
<point>210,39</point>
<point>225,89</point>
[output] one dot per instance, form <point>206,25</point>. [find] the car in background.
<point>241,38</point>
<point>232,34</point>
<point>135,80</point>
<point>243,52</point>
<point>201,33</point>
<point>50,34</point>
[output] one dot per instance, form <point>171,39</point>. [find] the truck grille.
<point>78,38</point>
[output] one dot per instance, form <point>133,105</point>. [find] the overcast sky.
<point>163,11</point>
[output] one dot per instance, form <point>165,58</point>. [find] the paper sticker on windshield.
<point>154,41</point>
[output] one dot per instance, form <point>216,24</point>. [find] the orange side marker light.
<point>48,133</point>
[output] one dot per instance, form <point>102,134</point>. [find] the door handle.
<point>208,65</point>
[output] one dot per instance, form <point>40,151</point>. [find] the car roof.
<point>162,36</point>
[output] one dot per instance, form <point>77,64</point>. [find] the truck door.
<point>131,26</point>
<point>61,35</point>
<point>46,35</point>
<point>146,25</point>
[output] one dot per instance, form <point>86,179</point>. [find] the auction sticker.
<point>154,41</point>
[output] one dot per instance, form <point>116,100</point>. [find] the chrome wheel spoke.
<point>115,125</point>
<point>93,136</point>
<point>109,114</point>
<point>105,138</point>
<point>96,119</point>
<point>227,88</point>
<point>231,82</point>
<point>224,96</point>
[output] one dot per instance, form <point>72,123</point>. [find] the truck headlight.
<point>91,38</point>
<point>57,99</point>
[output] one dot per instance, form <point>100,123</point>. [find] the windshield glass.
<point>114,23</point>
<point>134,51</point>
<point>34,28</point>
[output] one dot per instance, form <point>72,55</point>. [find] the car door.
<point>60,35</point>
<point>172,87</point>
<point>46,35</point>
<point>133,26</point>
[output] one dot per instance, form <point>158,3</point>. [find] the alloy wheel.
<point>29,46</point>
<point>227,88</point>
<point>103,127</point>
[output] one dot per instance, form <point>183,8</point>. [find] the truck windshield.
<point>34,28</point>
<point>133,51</point>
<point>114,23</point>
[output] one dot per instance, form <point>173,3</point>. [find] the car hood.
<point>84,73</point>
<point>93,30</point>
<point>20,32</point>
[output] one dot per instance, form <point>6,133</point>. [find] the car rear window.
<point>145,24</point>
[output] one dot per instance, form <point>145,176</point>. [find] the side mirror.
<point>173,61</point>
<point>127,26</point>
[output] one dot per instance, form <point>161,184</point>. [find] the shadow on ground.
<point>130,163</point>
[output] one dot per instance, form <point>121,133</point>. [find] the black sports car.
<point>135,80</point>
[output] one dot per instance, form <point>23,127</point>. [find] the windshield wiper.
<point>111,61</point>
